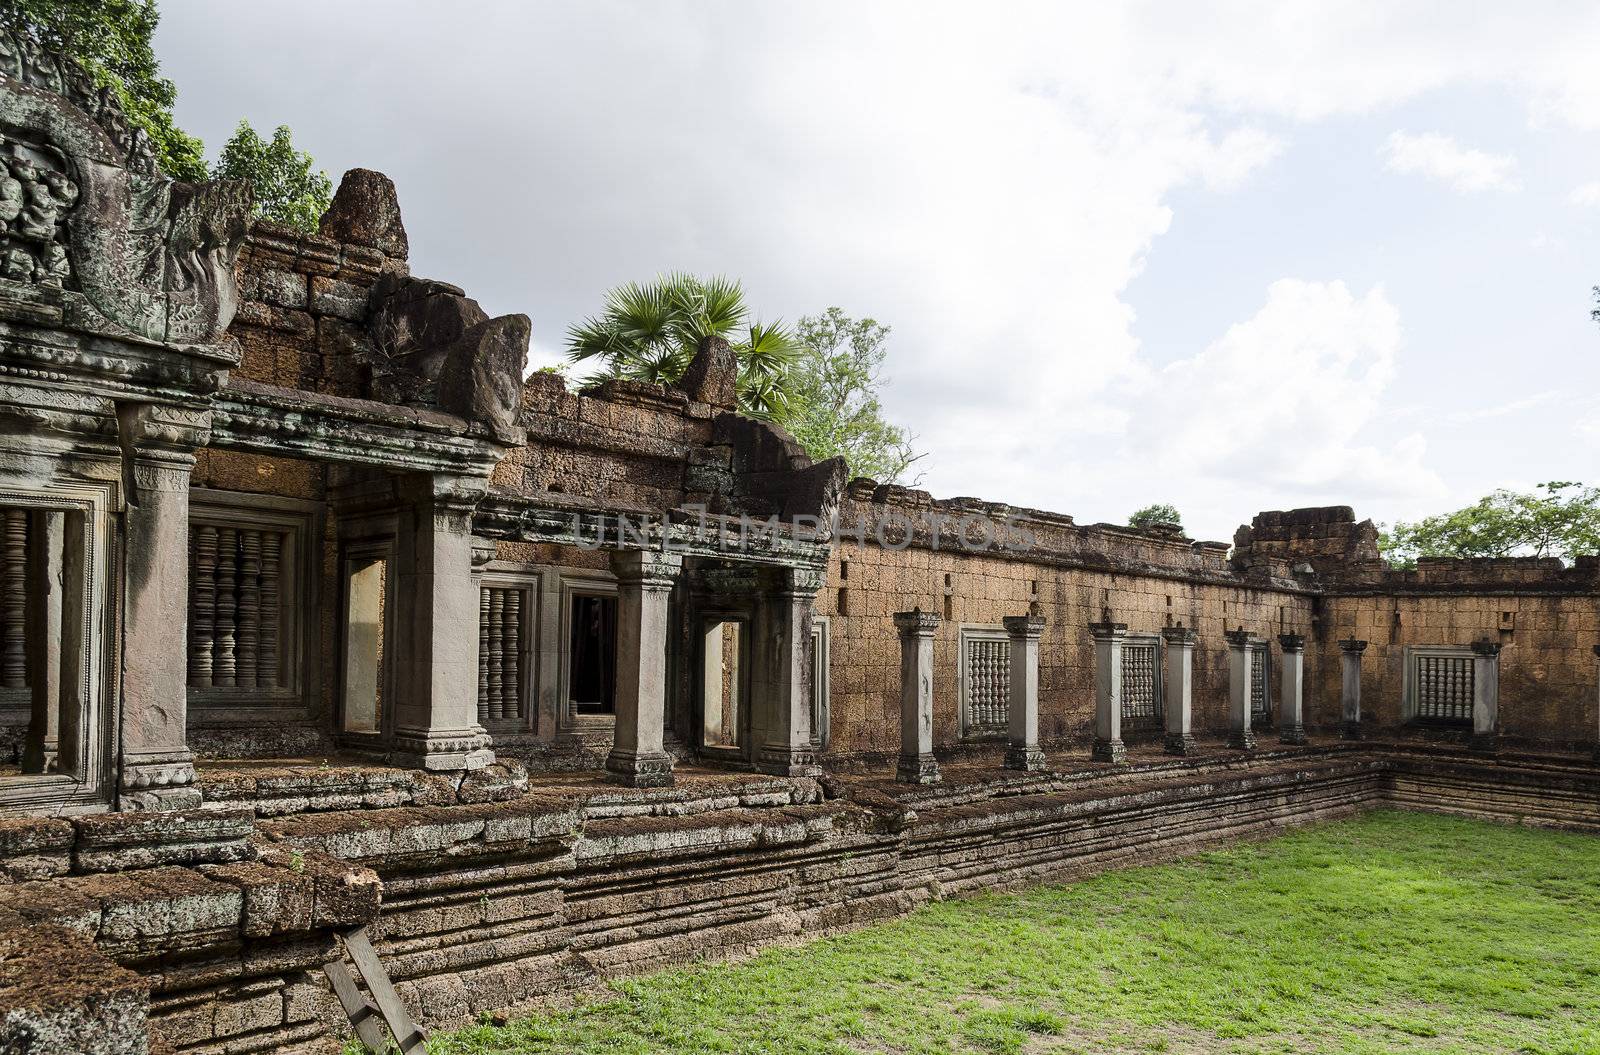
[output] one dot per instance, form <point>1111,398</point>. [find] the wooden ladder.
<point>409,1038</point>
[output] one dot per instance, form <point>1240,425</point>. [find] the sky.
<point>1233,257</point>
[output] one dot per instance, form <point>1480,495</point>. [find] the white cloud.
<point>1586,194</point>
<point>1441,158</point>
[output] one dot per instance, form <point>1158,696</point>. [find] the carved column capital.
<point>1353,645</point>
<point>1108,631</point>
<point>1239,638</point>
<point>650,569</point>
<point>1023,626</point>
<point>801,582</point>
<point>1486,647</point>
<point>916,623</point>
<point>1292,642</point>
<point>1181,636</point>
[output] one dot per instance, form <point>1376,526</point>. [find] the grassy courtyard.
<point>1391,932</point>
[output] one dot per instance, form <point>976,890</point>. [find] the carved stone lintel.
<point>1026,759</point>
<point>651,769</point>
<point>918,769</point>
<point>1109,751</point>
<point>1180,745</point>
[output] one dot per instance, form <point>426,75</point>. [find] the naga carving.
<point>93,237</point>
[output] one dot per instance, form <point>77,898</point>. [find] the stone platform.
<point>509,888</point>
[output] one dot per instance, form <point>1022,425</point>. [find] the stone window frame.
<point>531,585</point>
<point>821,682</point>
<point>572,584</point>
<point>304,522</point>
<point>1156,723</point>
<point>967,633</point>
<point>746,740</point>
<point>1409,702</point>
<point>90,548</point>
<point>1261,650</point>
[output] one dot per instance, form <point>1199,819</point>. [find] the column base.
<point>918,769</point>
<point>1292,734</point>
<point>1109,751</point>
<point>1026,759</point>
<point>442,752</point>
<point>1349,730</point>
<point>1242,741</point>
<point>159,782</point>
<point>1488,743</point>
<point>651,769</point>
<point>1179,744</point>
<point>788,762</point>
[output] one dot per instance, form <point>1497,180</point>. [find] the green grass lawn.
<point>1389,932</point>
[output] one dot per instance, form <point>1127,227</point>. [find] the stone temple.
<point>324,631</point>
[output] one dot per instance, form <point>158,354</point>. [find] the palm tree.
<point>650,332</point>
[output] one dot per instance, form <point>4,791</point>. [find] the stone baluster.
<point>203,605</point>
<point>1350,652</point>
<point>645,580</point>
<point>249,646</point>
<point>917,764</point>
<point>786,746</point>
<point>1108,640</point>
<point>511,665</point>
<point>1291,703</point>
<point>1241,673</point>
<point>1022,705</point>
<point>223,666</point>
<point>1485,694</point>
<point>1178,697</point>
<point>269,667</point>
<point>497,640</point>
<point>485,630</point>
<point>46,631</point>
<point>14,643</point>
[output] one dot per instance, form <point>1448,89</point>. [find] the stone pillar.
<point>786,749</point>
<point>1350,651</point>
<point>46,584</point>
<point>1485,694</point>
<point>1240,662</point>
<point>1022,710</point>
<point>1108,638</point>
<point>644,586</point>
<point>436,684</point>
<point>917,765</point>
<point>1178,698</point>
<point>1292,707</point>
<point>1597,709</point>
<point>157,768</point>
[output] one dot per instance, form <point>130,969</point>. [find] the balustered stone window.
<point>1260,684</point>
<point>985,661</point>
<point>1141,682</point>
<point>507,618</point>
<point>251,584</point>
<point>1438,685</point>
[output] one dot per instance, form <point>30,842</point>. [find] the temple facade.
<point>321,617</point>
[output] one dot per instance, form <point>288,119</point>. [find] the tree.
<point>1157,513</point>
<point>281,177</point>
<point>835,409</point>
<point>1560,519</point>
<point>1594,312</point>
<point>111,40</point>
<point>649,332</point>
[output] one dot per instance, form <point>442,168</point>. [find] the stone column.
<point>644,586</point>
<point>1292,713</point>
<point>1108,638</point>
<point>1485,694</point>
<point>1597,709</point>
<point>1022,710</point>
<point>46,557</point>
<point>1178,697</point>
<point>786,749</point>
<point>1240,662</point>
<point>1350,651</point>
<point>917,765</point>
<point>157,768</point>
<point>436,684</point>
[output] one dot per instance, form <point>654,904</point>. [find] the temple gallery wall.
<point>320,620</point>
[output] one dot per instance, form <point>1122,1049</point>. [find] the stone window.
<point>589,658</point>
<point>1438,685</point>
<point>723,681</point>
<point>1260,683</point>
<point>507,609</point>
<point>366,588</point>
<point>821,709</point>
<point>251,583</point>
<point>1141,681</point>
<point>985,660</point>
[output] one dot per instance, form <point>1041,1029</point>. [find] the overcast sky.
<point>1231,258</point>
